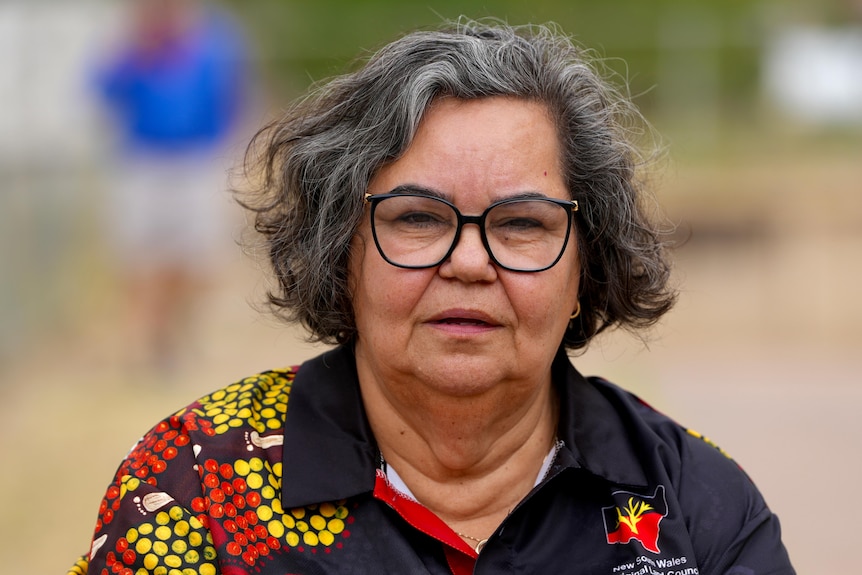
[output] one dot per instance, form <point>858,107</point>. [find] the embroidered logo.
<point>635,517</point>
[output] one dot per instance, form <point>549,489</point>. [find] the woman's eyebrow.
<point>431,192</point>
<point>526,195</point>
<point>417,189</point>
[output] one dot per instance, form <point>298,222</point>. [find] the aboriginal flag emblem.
<point>635,517</point>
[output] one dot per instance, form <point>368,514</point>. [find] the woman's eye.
<point>420,219</point>
<point>520,224</point>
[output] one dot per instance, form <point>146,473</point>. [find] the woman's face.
<point>467,325</point>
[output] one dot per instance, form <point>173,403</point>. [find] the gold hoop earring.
<point>577,312</point>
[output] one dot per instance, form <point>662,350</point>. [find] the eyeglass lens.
<point>419,231</point>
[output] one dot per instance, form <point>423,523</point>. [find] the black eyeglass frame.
<point>571,206</point>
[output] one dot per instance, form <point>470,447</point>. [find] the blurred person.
<point>456,216</point>
<point>175,90</point>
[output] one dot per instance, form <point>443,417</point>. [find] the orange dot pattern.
<point>235,518</point>
<point>243,499</point>
<point>149,459</point>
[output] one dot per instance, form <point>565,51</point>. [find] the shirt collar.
<point>593,426</point>
<point>329,451</point>
<point>330,454</point>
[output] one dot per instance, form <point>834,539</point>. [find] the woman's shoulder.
<point>727,516</point>
<point>678,442</point>
<point>693,464</point>
<point>709,497</point>
<point>206,457</point>
<point>246,414</point>
<point>258,402</point>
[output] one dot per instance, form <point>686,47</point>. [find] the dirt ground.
<point>762,354</point>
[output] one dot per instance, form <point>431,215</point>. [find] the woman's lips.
<point>464,321</point>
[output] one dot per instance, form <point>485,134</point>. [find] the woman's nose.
<point>470,260</point>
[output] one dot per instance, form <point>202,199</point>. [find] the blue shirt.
<point>187,95</point>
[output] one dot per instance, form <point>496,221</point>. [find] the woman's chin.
<point>464,375</point>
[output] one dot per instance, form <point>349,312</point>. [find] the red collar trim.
<point>423,519</point>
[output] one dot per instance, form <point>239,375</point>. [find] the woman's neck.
<point>469,459</point>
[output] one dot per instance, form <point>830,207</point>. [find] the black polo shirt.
<point>279,474</point>
<point>630,492</point>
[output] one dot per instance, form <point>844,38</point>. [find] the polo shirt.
<point>280,473</point>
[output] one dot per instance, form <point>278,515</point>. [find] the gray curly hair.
<point>312,168</point>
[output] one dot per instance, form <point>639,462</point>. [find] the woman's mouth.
<point>461,321</point>
<point>464,322</point>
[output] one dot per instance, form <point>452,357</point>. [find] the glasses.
<point>418,231</point>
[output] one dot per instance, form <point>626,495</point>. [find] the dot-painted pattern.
<point>167,540</point>
<point>257,402</point>
<point>152,521</point>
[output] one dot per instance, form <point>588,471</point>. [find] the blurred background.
<point>760,107</point>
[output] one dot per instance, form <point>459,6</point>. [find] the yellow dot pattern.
<point>313,525</point>
<point>259,402</point>
<point>255,485</point>
<point>171,540</point>
<point>240,498</point>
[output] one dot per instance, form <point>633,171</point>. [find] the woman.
<point>456,215</point>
